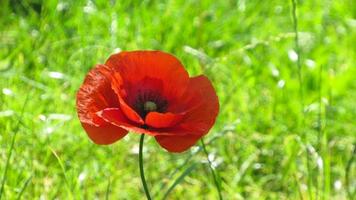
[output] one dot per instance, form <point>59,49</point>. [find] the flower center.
<point>149,106</point>
<point>149,101</point>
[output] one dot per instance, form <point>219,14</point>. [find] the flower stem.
<point>142,174</point>
<point>217,184</point>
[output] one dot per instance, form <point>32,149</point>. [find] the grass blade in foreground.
<point>301,94</point>
<point>179,179</point>
<point>12,147</point>
<point>217,183</point>
<point>63,171</point>
<point>24,187</point>
<point>108,190</point>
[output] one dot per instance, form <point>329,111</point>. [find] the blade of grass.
<point>24,187</point>
<point>213,172</point>
<point>320,131</point>
<point>108,189</point>
<point>350,191</point>
<point>7,165</point>
<point>329,119</point>
<point>63,172</point>
<point>227,128</point>
<point>297,49</point>
<point>301,93</point>
<point>179,179</point>
<point>298,186</point>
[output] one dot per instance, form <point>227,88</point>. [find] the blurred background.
<point>286,128</point>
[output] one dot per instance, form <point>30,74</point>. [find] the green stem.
<point>142,174</point>
<point>212,170</point>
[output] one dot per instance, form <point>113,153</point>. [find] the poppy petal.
<point>130,113</point>
<point>202,117</point>
<point>201,98</point>
<point>117,86</point>
<point>135,66</point>
<point>104,134</point>
<point>96,94</point>
<point>177,144</point>
<point>199,118</point>
<point>163,120</point>
<point>116,117</point>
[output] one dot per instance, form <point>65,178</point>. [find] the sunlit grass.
<point>264,137</point>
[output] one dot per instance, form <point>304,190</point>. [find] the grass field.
<point>286,128</point>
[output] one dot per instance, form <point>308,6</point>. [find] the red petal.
<point>117,86</point>
<point>96,94</point>
<point>115,117</point>
<point>104,134</point>
<point>130,113</point>
<point>177,144</point>
<point>162,120</point>
<point>202,117</point>
<point>137,65</point>
<point>203,107</point>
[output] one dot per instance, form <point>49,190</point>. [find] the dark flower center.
<point>149,101</point>
<point>149,106</point>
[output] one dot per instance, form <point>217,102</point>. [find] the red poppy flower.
<point>147,92</point>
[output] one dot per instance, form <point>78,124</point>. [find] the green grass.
<point>268,142</point>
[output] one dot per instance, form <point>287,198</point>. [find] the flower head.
<point>147,92</point>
